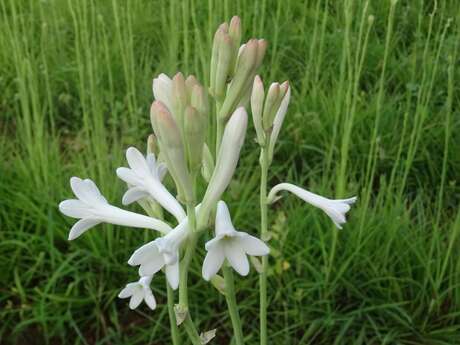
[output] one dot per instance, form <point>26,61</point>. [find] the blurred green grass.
<point>374,112</point>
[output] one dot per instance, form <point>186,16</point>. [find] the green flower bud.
<point>224,64</point>
<point>242,80</point>
<point>199,99</point>
<point>272,103</point>
<point>235,33</point>
<point>190,83</point>
<point>179,99</point>
<point>257,102</point>
<point>223,28</point>
<point>195,126</point>
<point>207,167</point>
<point>172,147</point>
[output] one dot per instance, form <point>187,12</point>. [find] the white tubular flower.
<point>278,121</point>
<point>162,252</point>
<point>227,159</point>
<point>92,208</point>
<point>144,178</point>
<point>231,245</point>
<point>139,291</point>
<point>162,90</point>
<point>335,209</point>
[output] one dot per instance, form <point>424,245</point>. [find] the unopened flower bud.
<point>190,83</point>
<point>261,50</point>
<point>164,125</point>
<point>199,99</point>
<point>257,101</point>
<point>242,80</point>
<point>224,63</point>
<point>207,167</point>
<point>223,28</point>
<point>235,33</point>
<point>278,121</point>
<point>227,159</point>
<point>162,90</point>
<point>272,103</point>
<point>172,147</point>
<point>179,100</point>
<point>195,124</point>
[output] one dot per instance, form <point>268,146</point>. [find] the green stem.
<point>183,275</point>
<point>231,304</point>
<point>263,232</point>
<point>191,331</point>
<point>172,316</point>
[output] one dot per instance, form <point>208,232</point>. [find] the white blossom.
<point>162,252</point>
<point>335,209</point>
<point>144,178</point>
<point>92,209</point>
<point>231,245</point>
<point>139,291</point>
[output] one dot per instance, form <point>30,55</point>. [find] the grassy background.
<point>374,112</point>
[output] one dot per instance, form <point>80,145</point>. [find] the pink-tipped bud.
<point>179,100</point>
<point>195,125</point>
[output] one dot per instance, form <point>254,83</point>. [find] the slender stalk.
<point>172,316</point>
<point>191,331</point>
<point>183,275</point>
<point>231,304</point>
<point>263,232</point>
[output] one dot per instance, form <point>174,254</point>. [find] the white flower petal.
<point>118,216</point>
<point>81,226</point>
<point>213,261</point>
<point>137,162</point>
<point>136,298</point>
<point>142,253</point>
<point>172,275</point>
<point>133,194</point>
<point>236,257</point>
<point>152,266</point>
<point>86,191</point>
<point>128,290</point>
<point>128,176</point>
<point>74,208</point>
<point>150,299</point>
<point>224,224</point>
<point>162,90</point>
<point>252,245</point>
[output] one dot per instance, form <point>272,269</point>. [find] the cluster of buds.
<point>233,67</point>
<point>180,115</point>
